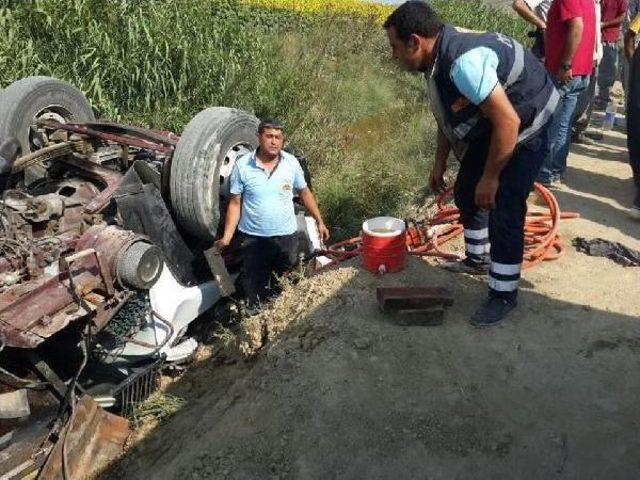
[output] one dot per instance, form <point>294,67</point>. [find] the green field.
<point>363,125</point>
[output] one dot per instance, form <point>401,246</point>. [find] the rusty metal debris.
<point>91,439</point>
<point>135,137</point>
<point>99,275</point>
<point>66,259</point>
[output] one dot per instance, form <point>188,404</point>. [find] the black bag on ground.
<point>615,251</point>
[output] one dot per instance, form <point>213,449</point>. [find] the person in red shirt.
<point>570,40</point>
<point>613,13</point>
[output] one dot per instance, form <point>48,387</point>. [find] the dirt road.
<point>342,393</point>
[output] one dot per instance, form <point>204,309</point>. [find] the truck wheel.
<point>202,164</point>
<point>39,98</point>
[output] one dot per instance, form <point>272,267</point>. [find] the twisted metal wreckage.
<point>106,257</point>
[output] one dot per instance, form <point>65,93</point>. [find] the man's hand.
<point>230,222</point>
<point>504,138</point>
<point>629,44</point>
<point>573,37</point>
<point>486,192</point>
<point>522,9</point>
<point>324,232</point>
<point>564,76</point>
<point>628,52</point>
<point>222,243</point>
<point>309,201</point>
<point>436,178</point>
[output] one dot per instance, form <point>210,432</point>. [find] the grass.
<point>326,72</point>
<point>157,408</point>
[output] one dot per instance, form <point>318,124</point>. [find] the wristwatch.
<point>566,67</point>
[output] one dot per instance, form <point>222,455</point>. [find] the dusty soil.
<point>340,392</point>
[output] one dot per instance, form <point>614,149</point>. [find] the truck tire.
<point>26,100</point>
<point>202,164</point>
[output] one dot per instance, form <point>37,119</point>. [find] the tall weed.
<point>363,124</point>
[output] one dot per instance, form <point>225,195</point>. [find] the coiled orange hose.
<point>541,238</point>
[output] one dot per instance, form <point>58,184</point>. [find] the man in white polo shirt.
<point>535,12</point>
<point>263,184</point>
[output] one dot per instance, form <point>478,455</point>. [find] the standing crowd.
<point>585,45</point>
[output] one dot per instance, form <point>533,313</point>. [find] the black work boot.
<point>468,266</point>
<point>493,311</point>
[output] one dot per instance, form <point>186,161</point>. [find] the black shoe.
<point>582,138</point>
<point>467,266</point>
<point>594,135</point>
<point>600,105</point>
<point>492,312</point>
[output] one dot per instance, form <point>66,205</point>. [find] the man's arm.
<point>614,22</point>
<point>629,44</point>
<point>504,136</point>
<point>436,178</point>
<point>575,26</point>
<point>309,201</point>
<point>622,12</point>
<point>527,14</point>
<point>630,36</point>
<point>231,221</point>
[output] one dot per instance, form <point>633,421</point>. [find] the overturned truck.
<point>106,257</point>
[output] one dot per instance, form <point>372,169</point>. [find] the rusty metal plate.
<point>29,312</point>
<point>90,441</point>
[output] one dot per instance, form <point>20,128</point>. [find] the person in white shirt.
<point>535,12</point>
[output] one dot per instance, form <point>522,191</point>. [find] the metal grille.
<point>138,387</point>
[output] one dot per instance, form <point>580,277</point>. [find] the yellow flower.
<point>314,7</point>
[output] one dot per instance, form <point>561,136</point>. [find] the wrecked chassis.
<point>106,258</point>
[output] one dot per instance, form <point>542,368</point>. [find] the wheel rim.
<point>226,168</point>
<point>37,136</point>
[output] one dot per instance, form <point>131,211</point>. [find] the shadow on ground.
<point>599,198</point>
<point>601,152</point>
<point>345,393</point>
<point>598,183</point>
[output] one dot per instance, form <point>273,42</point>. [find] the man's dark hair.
<point>269,123</point>
<point>414,18</point>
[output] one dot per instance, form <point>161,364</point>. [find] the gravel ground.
<point>339,391</point>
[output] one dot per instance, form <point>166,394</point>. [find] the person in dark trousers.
<point>613,13</point>
<point>493,101</point>
<point>263,184</point>
<point>585,104</point>
<point>633,109</point>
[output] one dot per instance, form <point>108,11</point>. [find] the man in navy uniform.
<point>492,100</point>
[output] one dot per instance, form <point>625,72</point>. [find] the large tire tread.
<point>194,178</point>
<point>23,99</point>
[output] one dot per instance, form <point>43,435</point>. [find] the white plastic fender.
<point>178,305</point>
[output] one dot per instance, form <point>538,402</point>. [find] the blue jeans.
<point>555,163</point>
<point>584,107</point>
<point>607,71</point>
